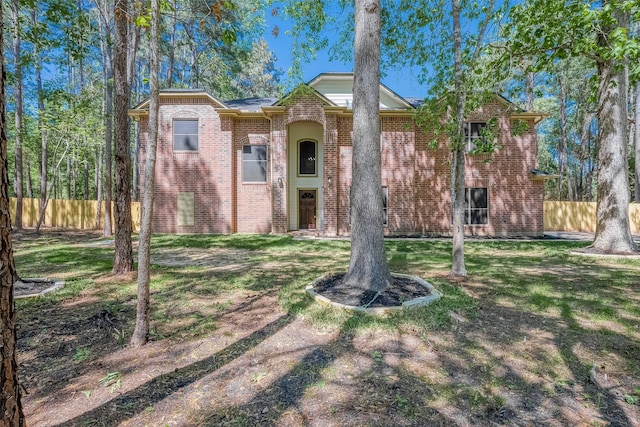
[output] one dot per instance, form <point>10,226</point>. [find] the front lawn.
<point>533,336</point>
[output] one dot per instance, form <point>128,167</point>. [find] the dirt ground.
<point>262,366</point>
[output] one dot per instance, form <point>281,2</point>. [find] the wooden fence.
<point>81,215</point>
<point>72,214</point>
<point>581,216</point>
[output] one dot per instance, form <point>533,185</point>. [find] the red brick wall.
<point>418,177</point>
<point>331,195</point>
<point>206,172</point>
<point>253,200</point>
<point>515,199</point>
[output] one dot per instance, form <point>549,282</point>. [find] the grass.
<point>508,270</point>
<point>578,311</point>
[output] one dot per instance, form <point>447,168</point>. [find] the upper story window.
<point>476,206</point>
<point>185,134</point>
<point>307,158</point>
<point>254,163</point>
<point>472,134</point>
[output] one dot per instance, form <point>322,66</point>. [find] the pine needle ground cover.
<point>533,336</point>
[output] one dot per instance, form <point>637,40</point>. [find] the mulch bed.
<point>400,290</point>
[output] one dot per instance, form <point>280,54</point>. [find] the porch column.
<point>330,173</point>
<point>279,176</point>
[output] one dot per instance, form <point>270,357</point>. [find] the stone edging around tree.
<point>379,311</point>
<point>57,284</point>
<point>605,256</point>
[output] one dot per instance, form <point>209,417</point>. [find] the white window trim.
<point>468,209</point>
<point>266,163</point>
<point>173,134</point>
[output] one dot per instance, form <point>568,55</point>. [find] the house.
<point>278,165</point>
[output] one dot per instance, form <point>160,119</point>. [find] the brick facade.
<point>416,175</point>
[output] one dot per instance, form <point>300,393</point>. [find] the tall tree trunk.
<point>172,49</point>
<point>74,186</point>
<point>458,155</point>
<point>585,157</point>
<point>368,264</point>
<point>85,165</point>
<point>123,260</point>
<point>141,332</point>
<point>17,92</point>
<point>136,162</point>
<point>27,168</point>
<point>107,76</point>
<point>562,141</point>
<point>44,159</point>
<point>10,399</point>
<point>613,234</point>
<point>68,178</point>
<point>51,187</point>
<point>108,162</point>
<point>98,186</point>
<point>531,83</point>
<point>136,144</point>
<point>132,64</point>
<point>636,117</point>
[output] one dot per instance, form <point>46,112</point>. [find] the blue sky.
<point>403,81</point>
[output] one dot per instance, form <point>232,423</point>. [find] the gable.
<point>338,88</point>
<point>176,96</point>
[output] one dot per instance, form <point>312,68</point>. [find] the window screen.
<point>472,133</point>
<point>185,135</point>
<point>476,204</point>
<point>254,163</point>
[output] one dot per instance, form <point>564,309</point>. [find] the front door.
<point>307,209</point>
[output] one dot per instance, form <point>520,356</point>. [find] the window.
<point>476,206</point>
<point>186,204</point>
<point>185,134</point>
<point>385,205</point>
<point>254,163</point>
<point>307,153</point>
<point>472,133</point>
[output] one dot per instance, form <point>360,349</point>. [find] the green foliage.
<point>144,19</point>
<point>488,143</point>
<point>519,127</point>
<point>299,92</point>
<point>548,31</point>
<point>112,379</point>
<point>310,19</point>
<point>82,354</point>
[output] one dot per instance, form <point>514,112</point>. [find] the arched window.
<point>307,161</point>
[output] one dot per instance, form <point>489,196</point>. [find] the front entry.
<point>306,209</point>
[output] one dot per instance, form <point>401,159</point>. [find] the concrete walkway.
<point>576,235</point>
<point>548,235</point>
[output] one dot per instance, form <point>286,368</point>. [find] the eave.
<point>234,112</point>
<point>540,175</point>
<point>529,115</point>
<point>182,94</point>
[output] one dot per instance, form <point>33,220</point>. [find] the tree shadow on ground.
<point>135,401</point>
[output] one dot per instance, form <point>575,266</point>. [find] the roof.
<point>184,93</point>
<point>542,175</point>
<point>335,90</point>
<point>342,86</point>
<point>251,104</point>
